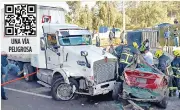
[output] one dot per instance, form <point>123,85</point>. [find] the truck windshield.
<point>74,40</point>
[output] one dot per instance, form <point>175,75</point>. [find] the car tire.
<point>28,69</point>
<point>116,91</point>
<point>59,83</point>
<point>163,103</point>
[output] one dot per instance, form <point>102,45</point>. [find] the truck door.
<point>52,56</point>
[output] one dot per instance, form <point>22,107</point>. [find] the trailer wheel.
<point>62,91</point>
<point>28,69</point>
<point>163,103</point>
<point>116,91</point>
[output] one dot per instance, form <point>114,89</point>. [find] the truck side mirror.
<point>56,47</point>
<point>84,53</point>
<point>42,44</point>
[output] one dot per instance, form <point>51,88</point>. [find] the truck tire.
<point>59,88</point>
<point>28,69</point>
<point>56,77</point>
<point>116,91</point>
<point>163,103</point>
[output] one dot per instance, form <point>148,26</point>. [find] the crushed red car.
<point>145,83</point>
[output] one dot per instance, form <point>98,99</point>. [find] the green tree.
<point>74,7</point>
<point>147,14</point>
<point>95,19</point>
<point>103,14</point>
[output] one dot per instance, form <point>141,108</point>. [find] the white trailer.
<point>69,63</point>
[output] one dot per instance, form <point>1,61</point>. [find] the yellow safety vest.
<point>127,57</point>
<point>172,88</point>
<point>177,68</point>
<point>177,76</point>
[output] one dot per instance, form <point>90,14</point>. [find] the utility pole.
<point>124,21</point>
<point>87,19</point>
<point>108,14</point>
<point>136,9</point>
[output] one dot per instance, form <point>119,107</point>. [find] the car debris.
<point>144,83</point>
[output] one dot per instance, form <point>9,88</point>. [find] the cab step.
<point>44,84</point>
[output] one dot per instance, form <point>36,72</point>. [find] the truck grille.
<point>104,71</point>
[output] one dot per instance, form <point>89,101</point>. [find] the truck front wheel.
<point>63,91</point>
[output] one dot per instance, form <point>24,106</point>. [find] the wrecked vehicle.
<point>144,83</point>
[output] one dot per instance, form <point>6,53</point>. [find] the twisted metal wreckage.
<point>143,83</point>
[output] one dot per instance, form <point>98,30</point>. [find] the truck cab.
<point>70,64</point>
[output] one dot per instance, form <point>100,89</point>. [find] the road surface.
<point>32,96</point>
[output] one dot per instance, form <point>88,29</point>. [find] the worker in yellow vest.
<point>176,73</point>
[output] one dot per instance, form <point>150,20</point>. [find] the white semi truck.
<point>69,63</point>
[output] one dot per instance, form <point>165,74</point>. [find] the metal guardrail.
<point>152,36</point>
<point>169,49</point>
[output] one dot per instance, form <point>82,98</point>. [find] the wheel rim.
<point>65,91</point>
<point>25,73</point>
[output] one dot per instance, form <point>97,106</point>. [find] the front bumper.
<point>102,88</point>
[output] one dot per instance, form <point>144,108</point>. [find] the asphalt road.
<point>32,96</point>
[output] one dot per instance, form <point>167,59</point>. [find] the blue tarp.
<point>134,36</point>
<point>103,29</point>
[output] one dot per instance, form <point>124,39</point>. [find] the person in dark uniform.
<point>125,55</point>
<point>163,61</point>
<point>176,73</point>
<point>4,62</point>
<point>164,65</point>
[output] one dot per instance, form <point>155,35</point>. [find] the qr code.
<point>20,19</point>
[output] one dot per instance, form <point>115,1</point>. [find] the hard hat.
<point>135,45</point>
<point>176,53</point>
<point>158,53</point>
